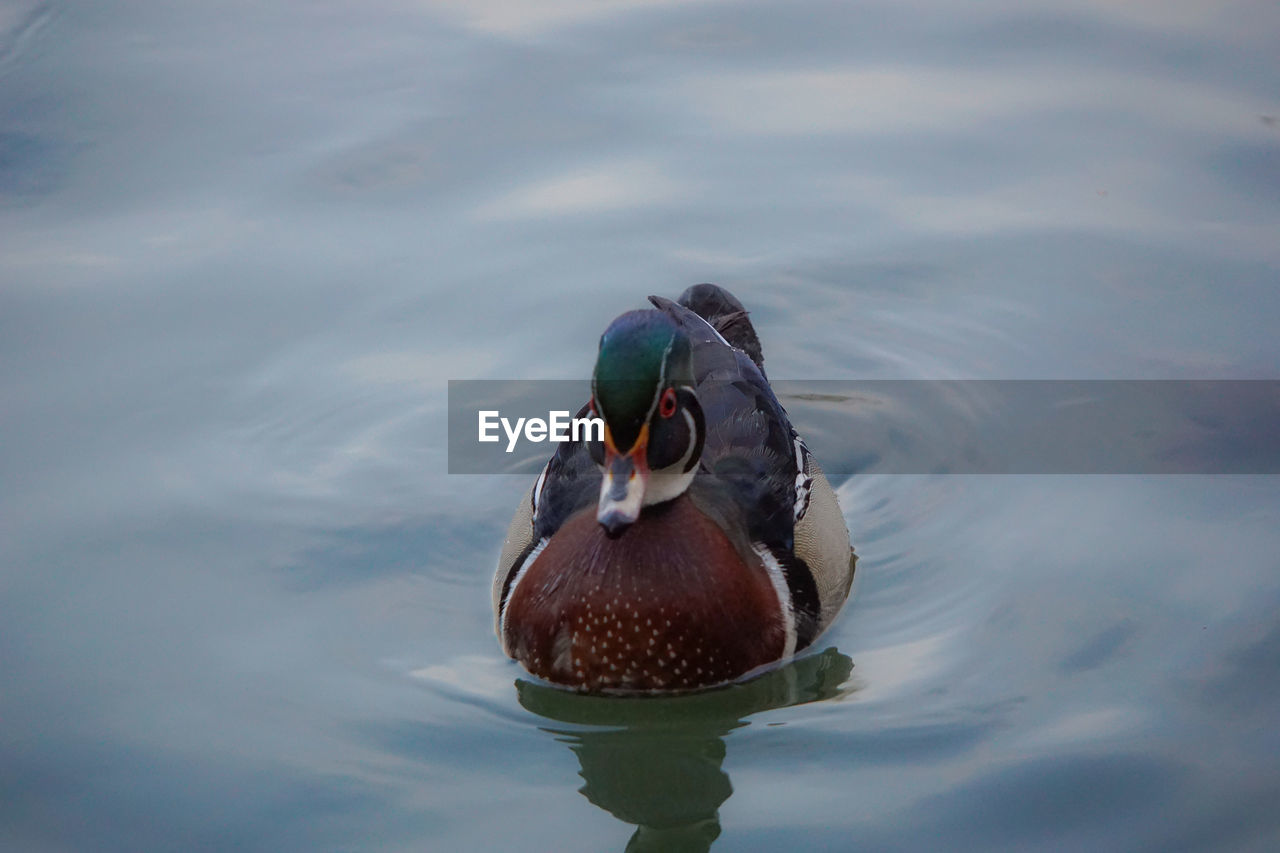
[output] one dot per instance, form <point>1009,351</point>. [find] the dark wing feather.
<point>725,313</point>
<point>750,445</point>
<point>753,456</point>
<point>572,482</point>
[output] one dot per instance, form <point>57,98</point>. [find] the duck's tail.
<point>726,315</point>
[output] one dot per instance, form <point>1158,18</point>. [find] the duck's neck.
<point>668,484</point>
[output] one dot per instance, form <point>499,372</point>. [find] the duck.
<point>697,542</point>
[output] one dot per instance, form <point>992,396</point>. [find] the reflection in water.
<point>655,762</point>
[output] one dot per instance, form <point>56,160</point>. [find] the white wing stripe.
<point>779,580</point>
<point>511,590</point>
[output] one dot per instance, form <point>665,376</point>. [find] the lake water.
<point>243,247</point>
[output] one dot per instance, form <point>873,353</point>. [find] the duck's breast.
<point>668,604</point>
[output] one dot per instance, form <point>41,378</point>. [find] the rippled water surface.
<point>243,246</point>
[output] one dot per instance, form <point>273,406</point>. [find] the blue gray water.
<point>243,246</point>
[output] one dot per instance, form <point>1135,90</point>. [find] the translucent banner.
<point>931,426</point>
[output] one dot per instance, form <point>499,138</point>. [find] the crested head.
<point>641,354</point>
<point>643,389</point>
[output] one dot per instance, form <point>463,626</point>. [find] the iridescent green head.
<point>643,389</point>
<point>641,354</point>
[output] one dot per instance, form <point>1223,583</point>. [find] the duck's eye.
<point>667,406</point>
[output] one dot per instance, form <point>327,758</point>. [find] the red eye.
<point>667,406</point>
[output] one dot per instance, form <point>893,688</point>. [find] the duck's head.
<point>643,388</point>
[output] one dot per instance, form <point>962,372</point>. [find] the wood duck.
<point>698,542</point>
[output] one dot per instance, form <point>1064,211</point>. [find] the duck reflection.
<point>655,762</point>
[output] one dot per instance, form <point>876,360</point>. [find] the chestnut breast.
<point>668,604</point>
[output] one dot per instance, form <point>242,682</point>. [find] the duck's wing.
<point>722,310</point>
<point>569,482</point>
<point>756,467</point>
<point>750,442</point>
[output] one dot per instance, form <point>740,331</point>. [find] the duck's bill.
<point>622,487</point>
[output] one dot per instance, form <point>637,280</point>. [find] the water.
<point>243,246</point>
